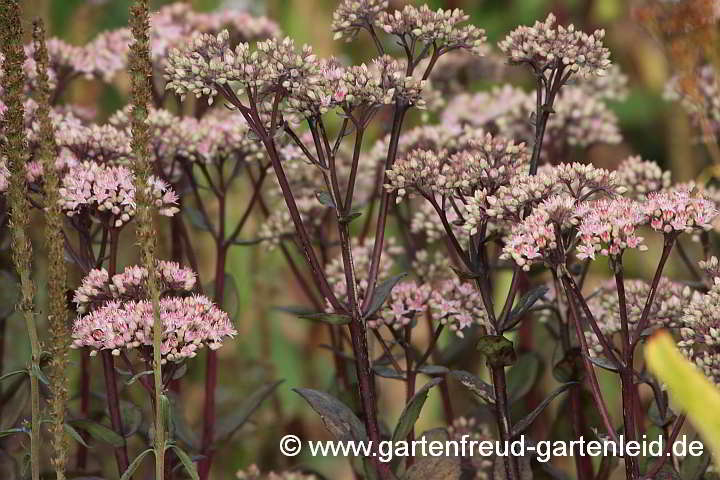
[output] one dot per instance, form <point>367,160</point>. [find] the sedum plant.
<point>442,238</point>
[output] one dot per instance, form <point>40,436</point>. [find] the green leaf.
<point>499,350</point>
<point>70,430</point>
<point>382,292</point>
<point>412,411</point>
<point>349,218</point>
<point>37,372</point>
<point>186,462</point>
<point>479,387</point>
<point>525,303</point>
<point>99,432</point>
<point>137,376</point>
<point>325,198</point>
<point>603,363</point>
<point>465,275</point>
<point>523,424</point>
<point>167,415</point>
<point>388,372</point>
<point>13,431</point>
<point>131,418</point>
<point>523,375</point>
<point>433,370</point>
<point>226,427</point>
<point>127,475</point>
<point>340,421</point>
<point>197,219</point>
<point>329,318</point>
<point>12,374</point>
<point>434,468</point>
<point>180,371</point>
<point>688,388</point>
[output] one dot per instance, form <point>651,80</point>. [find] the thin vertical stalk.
<point>141,76</point>
<point>398,118</point>
<point>589,369</point>
<point>14,150</point>
<point>57,275</point>
<point>502,412</point>
<point>113,399</point>
<point>632,469</point>
<point>645,316</point>
<point>82,452</point>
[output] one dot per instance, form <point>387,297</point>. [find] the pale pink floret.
<point>457,304</point>
<point>608,227</point>
<point>109,190</point>
<point>679,210</point>
<point>535,238</point>
<point>131,284</point>
<point>189,323</point>
<point>407,300</point>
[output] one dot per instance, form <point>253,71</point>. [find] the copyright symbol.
<point>290,445</point>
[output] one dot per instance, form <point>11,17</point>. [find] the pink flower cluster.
<point>97,287</point>
<point>407,301</point>
<point>457,304</point>
<point>679,210</point>
<point>109,190</point>
<point>608,227</point>
<point>535,239</point>
<point>547,44</point>
<point>190,323</point>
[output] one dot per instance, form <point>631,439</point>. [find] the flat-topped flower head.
<point>671,301</point>
<point>353,15</point>
<point>535,239</point>
<point>680,210</point>
<point>108,191</point>
<point>699,94</point>
<point>98,288</point>
<point>173,24</point>
<point>487,164</point>
<point>397,84</point>
<point>421,171</point>
<point>362,85</point>
<point>440,28</point>
<point>580,121</point>
<point>524,192</point>
<point>641,177</point>
<point>488,109</point>
<point>189,324</point>
<point>700,332</point>
<point>457,304</point>
<point>710,267</point>
<point>548,44</point>
<point>205,63</point>
<point>582,181</point>
<point>408,300</point>
<point>608,227</point>
<point>98,143</point>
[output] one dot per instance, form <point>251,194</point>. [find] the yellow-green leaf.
<point>688,388</point>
